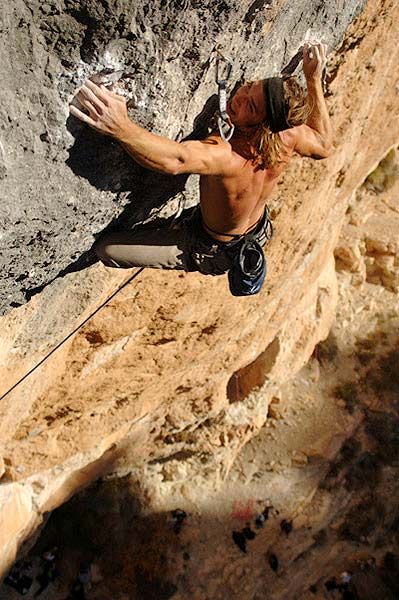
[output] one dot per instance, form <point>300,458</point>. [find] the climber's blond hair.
<point>267,147</point>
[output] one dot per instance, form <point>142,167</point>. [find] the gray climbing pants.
<point>185,246</point>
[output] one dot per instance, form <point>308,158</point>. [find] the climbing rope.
<point>43,360</point>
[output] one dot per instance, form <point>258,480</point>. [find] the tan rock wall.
<point>155,364</point>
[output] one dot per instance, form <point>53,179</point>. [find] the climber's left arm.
<point>107,114</point>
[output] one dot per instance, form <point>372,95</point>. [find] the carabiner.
<point>225,124</point>
<point>219,59</point>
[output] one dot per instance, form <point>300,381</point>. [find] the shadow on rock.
<point>158,556</point>
<point>145,194</point>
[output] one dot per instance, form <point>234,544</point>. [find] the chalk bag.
<point>248,271</point>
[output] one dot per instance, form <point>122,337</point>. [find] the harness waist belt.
<point>237,236</point>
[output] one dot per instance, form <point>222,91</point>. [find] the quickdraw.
<point>226,127</point>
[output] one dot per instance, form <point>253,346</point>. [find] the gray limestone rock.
<point>61,183</point>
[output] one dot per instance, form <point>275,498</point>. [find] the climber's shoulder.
<point>211,156</point>
<point>306,141</point>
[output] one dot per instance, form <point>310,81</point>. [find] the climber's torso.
<point>233,202</point>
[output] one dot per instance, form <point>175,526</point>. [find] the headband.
<point>276,106</point>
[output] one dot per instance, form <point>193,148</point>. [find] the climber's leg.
<point>156,248</point>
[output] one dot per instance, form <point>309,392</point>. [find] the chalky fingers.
<point>93,110</point>
<point>81,116</point>
<point>100,92</point>
<point>86,95</point>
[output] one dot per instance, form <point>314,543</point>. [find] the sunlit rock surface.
<point>189,398</point>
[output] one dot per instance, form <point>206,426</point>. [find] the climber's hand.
<point>314,60</point>
<point>106,112</point>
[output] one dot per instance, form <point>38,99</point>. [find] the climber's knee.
<point>155,248</point>
<point>106,250</point>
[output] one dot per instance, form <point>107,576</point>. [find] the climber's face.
<point>246,106</point>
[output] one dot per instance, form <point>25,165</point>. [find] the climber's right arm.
<point>107,114</point>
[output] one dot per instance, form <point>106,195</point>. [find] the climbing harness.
<point>226,127</point>
<point>43,360</point>
<point>249,266</point>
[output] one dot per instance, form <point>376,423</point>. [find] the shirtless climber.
<point>273,119</point>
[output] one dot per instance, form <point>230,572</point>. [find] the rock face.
<point>62,184</point>
<point>184,393</point>
<point>369,245</point>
